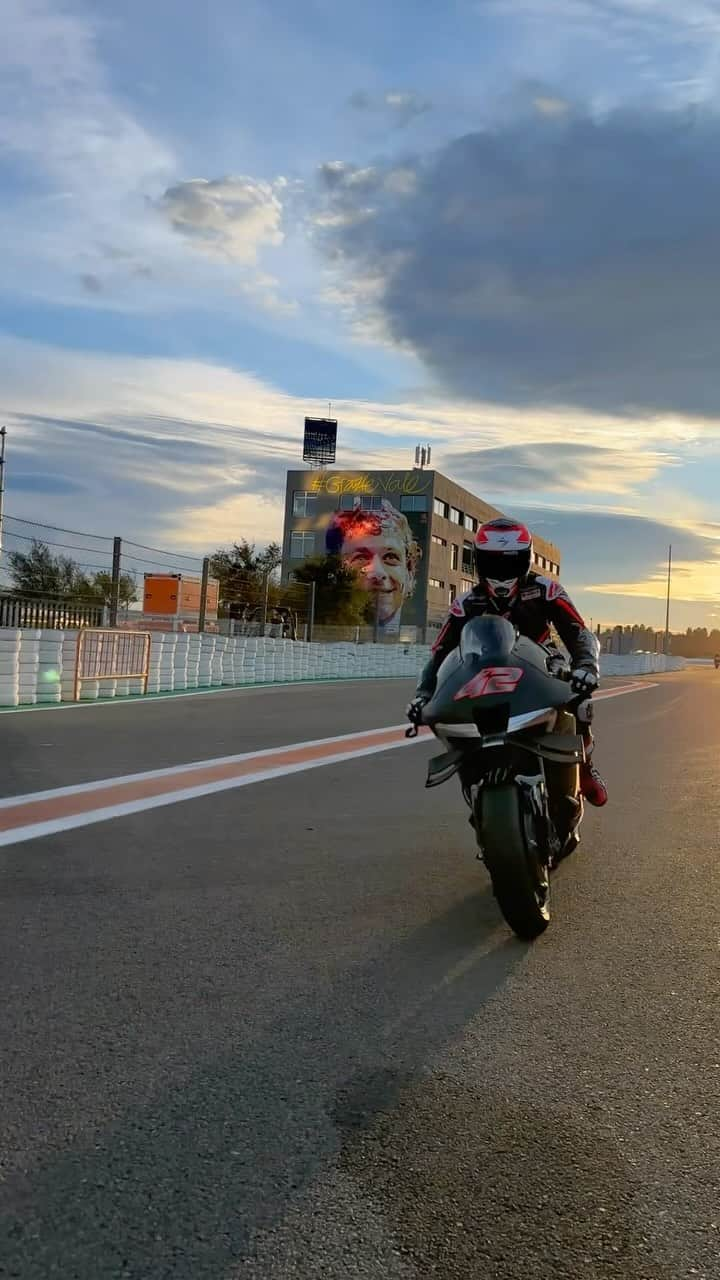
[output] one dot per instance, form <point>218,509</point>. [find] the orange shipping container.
<point>173,595</point>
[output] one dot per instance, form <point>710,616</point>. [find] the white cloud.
<point>94,160</point>
<point>56,108</point>
<point>154,440</point>
<point>549,106</point>
<point>190,455</point>
<point>233,217</point>
<point>104,229</point>
<point>692,581</point>
<point>406,105</point>
<point>401,105</point>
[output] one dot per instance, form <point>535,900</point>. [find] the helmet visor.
<point>502,565</point>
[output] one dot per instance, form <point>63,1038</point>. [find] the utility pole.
<point>3,434</point>
<point>115,587</point>
<point>204,594</point>
<point>667,610</point>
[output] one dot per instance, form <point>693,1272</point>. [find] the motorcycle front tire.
<point>519,878</point>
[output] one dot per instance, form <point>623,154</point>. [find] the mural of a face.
<point>380,546</point>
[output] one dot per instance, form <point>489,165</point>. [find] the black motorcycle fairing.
<point>526,686</point>
<point>553,748</point>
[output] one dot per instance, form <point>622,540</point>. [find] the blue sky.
<point>492,225</point>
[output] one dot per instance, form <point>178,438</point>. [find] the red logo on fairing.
<point>491,680</point>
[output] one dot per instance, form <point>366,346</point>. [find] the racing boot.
<point>592,786</point>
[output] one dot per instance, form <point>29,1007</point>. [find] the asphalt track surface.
<point>282,1031</point>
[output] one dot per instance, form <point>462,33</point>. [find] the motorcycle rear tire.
<point>520,881</point>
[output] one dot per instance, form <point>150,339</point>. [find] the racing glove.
<point>584,680</point>
<point>415,708</point>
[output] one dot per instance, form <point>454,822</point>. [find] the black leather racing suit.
<point>541,603</point>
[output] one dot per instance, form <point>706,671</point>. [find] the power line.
<point>66,546</point>
<point>164,568</point>
<point>178,558</point>
<point>76,533</point>
<point>158,551</point>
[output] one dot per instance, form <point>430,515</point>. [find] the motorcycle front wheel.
<point>520,880</point>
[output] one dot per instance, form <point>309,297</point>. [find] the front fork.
<point>539,827</point>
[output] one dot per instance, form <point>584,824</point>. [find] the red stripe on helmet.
<point>500,527</point>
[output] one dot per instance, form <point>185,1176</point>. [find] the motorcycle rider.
<point>533,603</point>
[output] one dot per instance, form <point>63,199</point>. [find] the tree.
<point>38,572</point>
<point>340,598</point>
<point>246,577</point>
<point>100,585</point>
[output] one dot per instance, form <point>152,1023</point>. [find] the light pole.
<point>667,610</point>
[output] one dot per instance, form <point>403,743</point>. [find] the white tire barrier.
<point>38,667</point>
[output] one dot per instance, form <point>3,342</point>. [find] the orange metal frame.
<point>121,640</point>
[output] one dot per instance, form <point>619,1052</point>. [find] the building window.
<point>440,509</point>
<point>414,502</point>
<point>455,515</point>
<point>304,503</point>
<point>454,554</point>
<point>467,558</point>
<point>467,584</point>
<point>436,583</point>
<point>471,523</point>
<point>302,545</point>
<point>452,592</point>
<point>439,542</point>
<point>368,501</point>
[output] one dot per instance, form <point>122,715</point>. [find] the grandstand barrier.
<point>39,667</point>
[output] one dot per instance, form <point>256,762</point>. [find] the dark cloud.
<point>91,283</point>
<point>360,101</point>
<point>607,547</point>
<point>47,482</point>
<point>170,437</point>
<point>555,465</point>
<point>558,259</point>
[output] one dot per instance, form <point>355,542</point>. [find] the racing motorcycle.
<point>504,711</point>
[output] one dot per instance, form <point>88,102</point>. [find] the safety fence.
<point>104,655</point>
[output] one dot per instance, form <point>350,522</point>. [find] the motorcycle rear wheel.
<point>519,878</point>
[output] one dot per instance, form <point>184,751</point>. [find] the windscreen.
<point>488,638</point>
